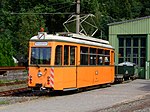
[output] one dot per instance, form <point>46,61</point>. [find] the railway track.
<point>12,68</point>
<point>25,91</point>
<point>11,92</point>
<point>12,83</point>
<point>5,69</point>
<point>11,88</point>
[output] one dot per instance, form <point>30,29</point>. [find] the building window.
<point>143,52</point>
<point>135,42</point>
<point>121,42</point>
<point>143,40</point>
<point>132,48</point>
<point>128,52</point>
<point>128,42</point>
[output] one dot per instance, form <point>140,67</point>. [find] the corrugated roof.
<point>127,21</point>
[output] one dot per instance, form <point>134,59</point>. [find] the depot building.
<point>131,40</point>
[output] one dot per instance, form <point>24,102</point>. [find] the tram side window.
<point>107,57</point>
<point>58,55</point>
<point>84,56</point>
<point>92,56</point>
<point>66,55</point>
<point>100,57</point>
<point>72,55</point>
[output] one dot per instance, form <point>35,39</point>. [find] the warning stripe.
<point>52,77</point>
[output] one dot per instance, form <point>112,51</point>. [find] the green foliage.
<point>6,50</point>
<point>28,26</point>
<point>3,102</point>
<point>19,20</point>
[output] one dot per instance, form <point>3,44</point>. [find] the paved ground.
<point>141,104</point>
<point>89,101</point>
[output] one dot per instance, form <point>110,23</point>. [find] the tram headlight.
<point>39,74</point>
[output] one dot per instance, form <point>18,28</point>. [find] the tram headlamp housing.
<point>39,74</point>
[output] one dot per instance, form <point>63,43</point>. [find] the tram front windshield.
<point>40,55</point>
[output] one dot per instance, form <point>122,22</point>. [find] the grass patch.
<point>4,102</point>
<point>4,81</point>
<point>8,81</point>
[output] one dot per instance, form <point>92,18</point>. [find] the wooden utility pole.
<point>78,16</point>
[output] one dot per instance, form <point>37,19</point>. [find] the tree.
<point>6,52</point>
<point>28,26</point>
<point>6,49</point>
<point>145,9</point>
<point>22,19</point>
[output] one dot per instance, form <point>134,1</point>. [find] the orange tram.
<point>68,61</point>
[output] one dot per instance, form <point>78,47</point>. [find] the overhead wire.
<point>41,13</point>
<point>53,12</point>
<point>63,3</point>
<point>64,7</point>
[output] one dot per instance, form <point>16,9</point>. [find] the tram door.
<point>70,60</point>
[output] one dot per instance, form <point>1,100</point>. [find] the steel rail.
<point>12,68</point>
<point>11,92</point>
<point>13,83</point>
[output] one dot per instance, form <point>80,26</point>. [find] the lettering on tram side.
<point>41,43</point>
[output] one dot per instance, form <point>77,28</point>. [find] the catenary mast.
<point>78,16</point>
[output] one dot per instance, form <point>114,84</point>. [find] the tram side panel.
<point>85,76</point>
<point>106,74</point>
<point>103,75</point>
<point>90,76</point>
<point>64,78</point>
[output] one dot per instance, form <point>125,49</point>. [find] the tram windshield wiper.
<point>37,65</point>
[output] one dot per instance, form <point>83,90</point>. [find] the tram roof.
<point>84,37</point>
<point>71,37</point>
